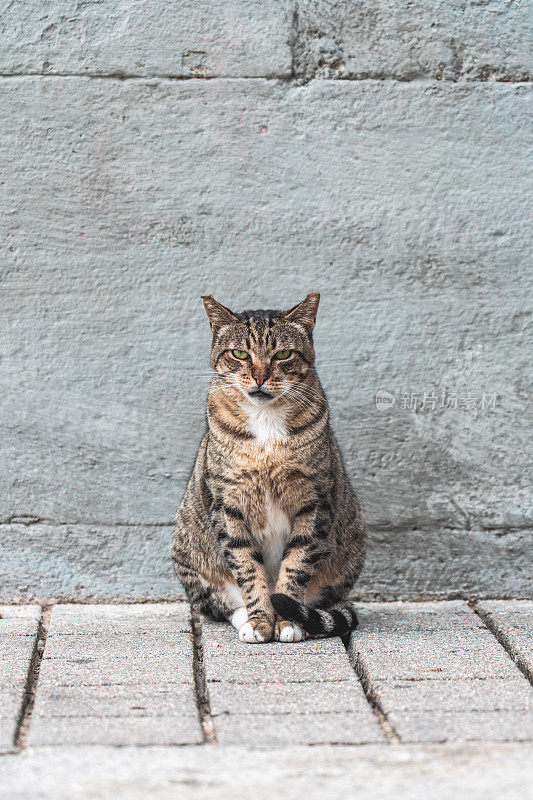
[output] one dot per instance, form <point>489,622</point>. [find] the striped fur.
<point>269,533</point>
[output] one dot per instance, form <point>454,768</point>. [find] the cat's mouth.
<point>261,395</point>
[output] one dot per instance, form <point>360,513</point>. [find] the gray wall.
<point>154,152</point>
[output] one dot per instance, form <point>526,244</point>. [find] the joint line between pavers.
<point>502,639</point>
<point>362,672</point>
<point>200,682</point>
<point>30,688</point>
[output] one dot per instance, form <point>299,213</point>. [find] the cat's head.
<point>264,355</point>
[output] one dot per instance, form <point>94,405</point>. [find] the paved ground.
<point>134,701</point>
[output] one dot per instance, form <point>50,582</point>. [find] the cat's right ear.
<point>218,314</point>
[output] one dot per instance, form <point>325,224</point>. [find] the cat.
<point>269,534</point>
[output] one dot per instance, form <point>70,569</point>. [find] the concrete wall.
<point>154,152</point>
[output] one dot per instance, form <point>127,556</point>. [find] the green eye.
<point>281,354</point>
<point>241,354</point>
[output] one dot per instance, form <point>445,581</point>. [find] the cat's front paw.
<point>258,630</point>
<point>285,631</point>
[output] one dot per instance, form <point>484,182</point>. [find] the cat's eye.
<point>240,354</point>
<point>282,354</point>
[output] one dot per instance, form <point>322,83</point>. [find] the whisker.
<point>301,400</point>
<point>301,388</point>
<point>306,391</point>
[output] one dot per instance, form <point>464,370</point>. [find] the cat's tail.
<point>339,620</point>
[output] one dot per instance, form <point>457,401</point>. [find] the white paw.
<point>239,617</point>
<point>249,634</point>
<point>291,633</point>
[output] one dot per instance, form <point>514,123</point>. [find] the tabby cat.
<point>269,533</point>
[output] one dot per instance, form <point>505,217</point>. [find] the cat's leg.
<point>239,617</point>
<point>329,586</point>
<point>214,596</point>
<point>302,552</point>
<point>197,590</point>
<point>285,631</point>
<point>231,596</point>
<point>246,564</point>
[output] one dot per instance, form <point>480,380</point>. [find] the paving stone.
<point>108,671</point>
<point>383,620</point>
<point>513,621</point>
<point>122,618</point>
<point>271,698</point>
<point>130,730</point>
<point>280,730</point>
<point>18,628</point>
<point>439,659</point>
<point>131,700</point>
<point>94,645</point>
<point>297,668</point>
<point>117,687</point>
<point>489,694</point>
<point>18,621</point>
<point>140,643</point>
<point>187,39</point>
<point>463,726</point>
<point>410,772</point>
<point>11,700</point>
<point>137,645</point>
<point>13,652</point>
<point>428,640</point>
<point>181,728</point>
<point>415,654</point>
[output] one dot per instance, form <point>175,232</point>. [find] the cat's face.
<point>262,356</point>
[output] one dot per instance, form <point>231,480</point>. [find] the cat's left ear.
<point>305,312</point>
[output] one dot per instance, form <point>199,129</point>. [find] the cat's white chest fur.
<point>272,540</point>
<point>266,422</point>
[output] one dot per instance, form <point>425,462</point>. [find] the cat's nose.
<point>260,379</point>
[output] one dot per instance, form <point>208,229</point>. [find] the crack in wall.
<point>127,76</point>
<point>294,79</point>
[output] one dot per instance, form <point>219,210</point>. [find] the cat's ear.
<point>305,312</point>
<point>218,314</point>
